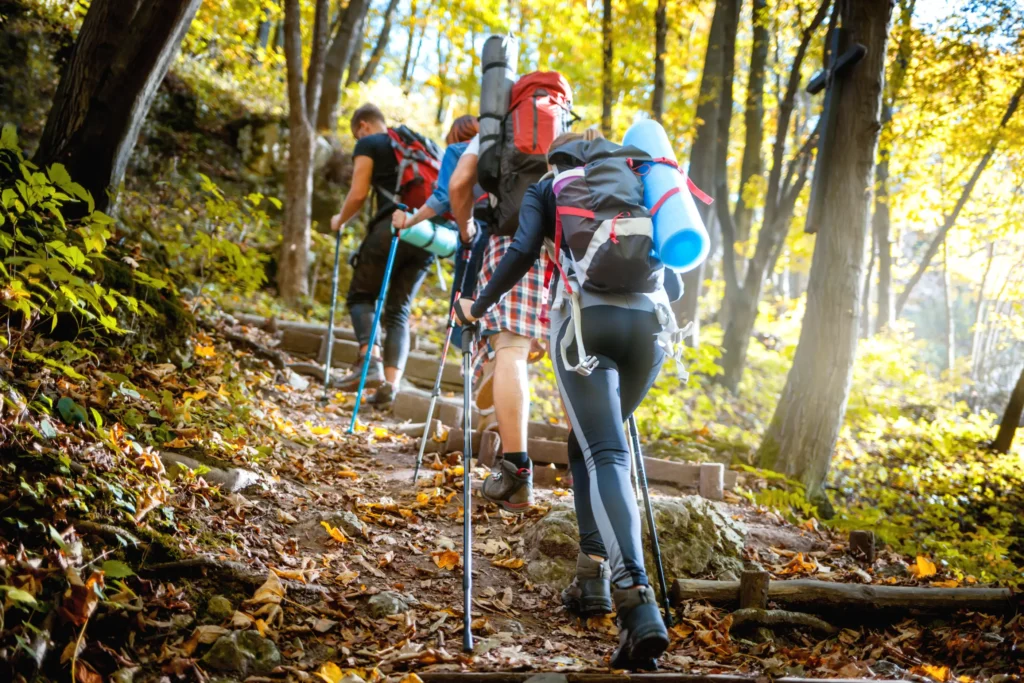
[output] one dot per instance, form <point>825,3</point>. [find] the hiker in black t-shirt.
<point>376,166</point>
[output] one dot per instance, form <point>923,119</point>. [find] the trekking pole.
<point>634,436</point>
<point>436,392</point>
<point>330,319</point>
<point>468,332</point>
<point>376,320</point>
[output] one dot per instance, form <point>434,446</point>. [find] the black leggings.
<point>407,274</point>
<point>629,360</point>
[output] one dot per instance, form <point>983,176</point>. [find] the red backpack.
<point>540,109</point>
<point>419,162</point>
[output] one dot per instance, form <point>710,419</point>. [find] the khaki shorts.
<point>509,340</point>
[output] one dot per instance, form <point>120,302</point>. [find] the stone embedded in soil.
<point>697,538</point>
<point>387,603</point>
<point>245,652</point>
<point>219,608</point>
<point>348,522</point>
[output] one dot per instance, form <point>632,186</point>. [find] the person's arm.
<point>520,257</point>
<point>460,196</point>
<point>401,220</point>
<point>357,193</point>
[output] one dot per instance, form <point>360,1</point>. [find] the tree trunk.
<point>660,37</point>
<point>303,107</point>
<point>940,236</point>
<point>382,43</point>
<point>338,56</point>
<point>865,300</point>
<point>121,55</point>
<point>442,76</point>
<point>1011,418</point>
<point>606,70</point>
<point>979,314</point>
<point>802,435</point>
<point>408,46</point>
<point>702,159</point>
<point>947,296</point>
<point>752,164</point>
<point>780,199</point>
<point>355,60</point>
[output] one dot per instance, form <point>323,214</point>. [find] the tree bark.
<point>801,437</point>
<point>702,160</point>
<point>120,57</point>
<point>660,48</point>
<point>303,108</point>
<point>338,56</point>
<point>947,297</point>
<point>382,43</point>
<point>606,69</point>
<point>865,300</point>
<point>881,223</point>
<point>947,225</point>
<point>355,60</point>
<point>752,165</point>
<point>979,314</point>
<point>780,199</point>
<point>408,46</point>
<point>1011,418</point>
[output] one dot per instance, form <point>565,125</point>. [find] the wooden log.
<point>778,617</point>
<point>862,545</point>
<point>754,589</point>
<point>415,429</point>
<point>824,597</point>
<point>711,483</point>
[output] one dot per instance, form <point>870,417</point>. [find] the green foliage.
<point>50,267</point>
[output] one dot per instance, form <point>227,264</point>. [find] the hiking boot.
<point>510,487</point>
<point>590,593</point>
<point>642,633</point>
<point>384,396</point>
<point>374,376</point>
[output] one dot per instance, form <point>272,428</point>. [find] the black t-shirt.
<point>385,166</point>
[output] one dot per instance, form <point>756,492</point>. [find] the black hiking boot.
<point>590,593</point>
<point>510,487</point>
<point>384,396</point>
<point>642,633</point>
<point>374,376</point>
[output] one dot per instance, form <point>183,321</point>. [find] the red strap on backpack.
<point>700,194</point>
<point>556,261</point>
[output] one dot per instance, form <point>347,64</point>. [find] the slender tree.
<point>965,194</point>
<point>303,105</point>
<point>948,300</point>
<point>785,182</point>
<point>753,116</point>
<point>121,55</point>
<point>382,43</point>
<point>660,38</point>
<point>339,54</point>
<point>355,60</point>
<point>1011,418</point>
<point>803,431</point>
<point>608,55</point>
<point>979,313</point>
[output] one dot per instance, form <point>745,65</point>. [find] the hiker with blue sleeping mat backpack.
<point>611,328</point>
<point>402,168</point>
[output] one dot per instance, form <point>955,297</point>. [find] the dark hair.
<point>463,129</point>
<point>367,112</point>
<point>563,139</point>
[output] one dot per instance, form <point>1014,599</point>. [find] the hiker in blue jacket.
<point>622,332</point>
<point>462,131</point>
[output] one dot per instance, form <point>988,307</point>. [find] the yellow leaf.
<point>330,672</point>
<point>381,433</point>
<point>270,592</point>
<point>261,626</point>
<point>422,498</point>
<point>205,351</point>
<point>937,673</point>
<point>510,563</point>
<point>348,474</point>
<point>950,583</point>
<point>320,431</point>
<point>923,568</point>
<point>293,574</point>
<point>411,678</point>
<point>197,395</point>
<point>346,577</point>
<point>176,443</point>
<point>335,533</point>
<point>446,559</point>
<point>560,492</point>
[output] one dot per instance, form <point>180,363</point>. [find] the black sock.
<point>519,459</point>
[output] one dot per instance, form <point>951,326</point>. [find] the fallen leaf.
<point>330,672</point>
<point>949,583</point>
<point>509,563</point>
<point>292,574</point>
<point>446,559</point>
<point>271,592</point>
<point>335,533</point>
<point>205,351</point>
<point>80,600</point>
<point>923,568</point>
<point>937,673</point>
<point>386,559</point>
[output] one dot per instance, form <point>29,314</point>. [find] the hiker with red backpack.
<point>539,109</point>
<point>612,327</point>
<point>402,167</point>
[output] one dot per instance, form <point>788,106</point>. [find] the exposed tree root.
<point>277,358</point>
<point>778,617</point>
<point>110,532</point>
<point>235,571</point>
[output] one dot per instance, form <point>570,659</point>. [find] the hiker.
<point>464,129</point>
<point>509,330</point>
<point>376,166</point>
<point>623,336</point>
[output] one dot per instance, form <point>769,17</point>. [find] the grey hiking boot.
<point>510,487</point>
<point>384,396</point>
<point>374,376</point>
<point>642,633</point>
<point>590,593</point>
